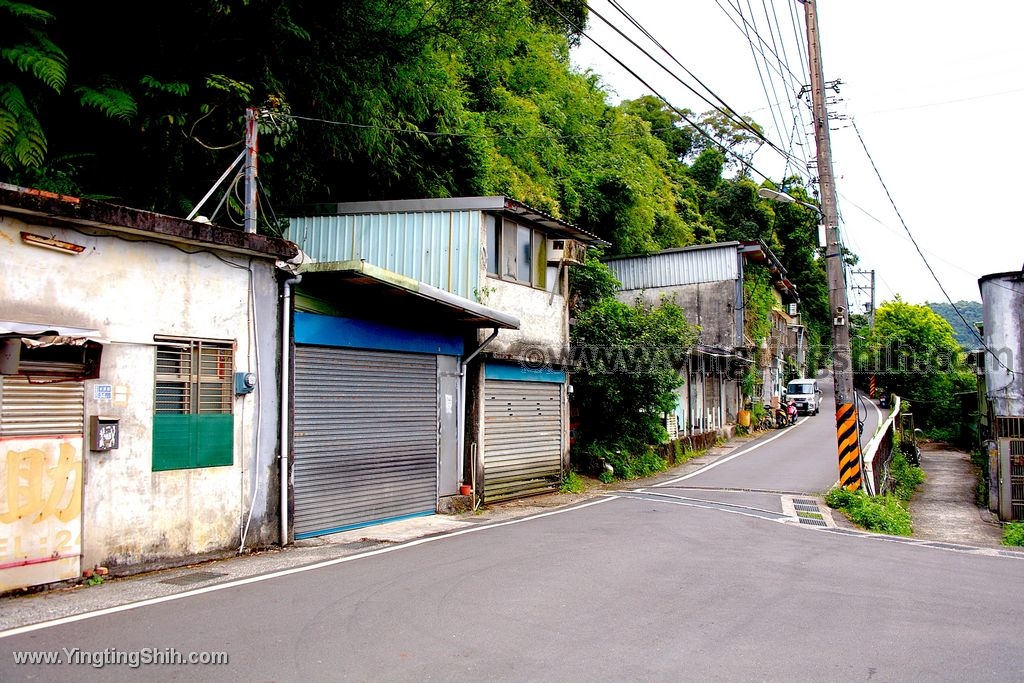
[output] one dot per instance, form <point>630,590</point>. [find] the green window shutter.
<point>215,440</point>
<point>193,425</point>
<point>172,442</point>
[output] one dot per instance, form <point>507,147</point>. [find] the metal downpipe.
<point>462,403</point>
<point>286,362</point>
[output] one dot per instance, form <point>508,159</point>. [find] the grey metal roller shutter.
<point>365,437</point>
<point>47,409</point>
<point>522,438</point>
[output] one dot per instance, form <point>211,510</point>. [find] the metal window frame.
<point>201,391</point>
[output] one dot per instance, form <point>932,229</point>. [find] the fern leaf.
<point>48,64</point>
<point>24,11</point>
<point>22,141</point>
<point>114,102</point>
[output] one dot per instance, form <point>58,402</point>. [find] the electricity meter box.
<point>104,433</point>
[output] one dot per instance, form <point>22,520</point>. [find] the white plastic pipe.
<point>286,341</point>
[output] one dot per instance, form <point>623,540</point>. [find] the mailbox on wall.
<point>104,433</point>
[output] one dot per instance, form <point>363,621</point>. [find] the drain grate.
<point>194,577</point>
<point>806,508</point>
<point>812,522</point>
<point>804,501</point>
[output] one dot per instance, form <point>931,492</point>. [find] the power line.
<point>921,254</point>
<point>728,111</point>
<point>793,76</point>
<point>745,162</point>
<point>760,75</point>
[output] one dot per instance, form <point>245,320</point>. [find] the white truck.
<point>805,394</point>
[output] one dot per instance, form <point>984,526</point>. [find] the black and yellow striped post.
<point>849,446</point>
<point>872,386</point>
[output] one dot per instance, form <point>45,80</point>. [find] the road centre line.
<point>709,502</point>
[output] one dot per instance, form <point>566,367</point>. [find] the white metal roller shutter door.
<point>523,426</point>
<point>365,437</point>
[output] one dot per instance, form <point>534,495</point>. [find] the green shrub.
<point>979,457</point>
<point>884,514</point>
<point>1013,534</point>
<point>629,460</point>
<point>573,483</point>
<point>904,476</point>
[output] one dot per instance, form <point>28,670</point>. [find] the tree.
<point>628,359</point>
<point>29,61</point>
<point>966,335</point>
<point>914,354</point>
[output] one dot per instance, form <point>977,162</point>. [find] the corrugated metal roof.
<point>686,266</point>
<point>491,204</point>
<point>440,248</point>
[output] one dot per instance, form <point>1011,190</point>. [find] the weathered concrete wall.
<point>709,305</point>
<point>544,321</point>
<point>131,291</point>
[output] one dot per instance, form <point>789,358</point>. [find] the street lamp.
<point>783,198</point>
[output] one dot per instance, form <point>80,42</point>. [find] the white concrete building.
<point>128,434</point>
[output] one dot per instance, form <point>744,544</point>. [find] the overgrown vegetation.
<point>1013,534</point>
<point>913,353</point>
<point>979,458</point>
<point>573,483</point>
<point>628,359</point>
<point>887,513</point>
<point>884,514</point>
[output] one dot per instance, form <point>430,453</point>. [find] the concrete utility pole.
<point>251,148</point>
<point>847,426</point>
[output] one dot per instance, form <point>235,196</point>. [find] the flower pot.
<point>465,490</point>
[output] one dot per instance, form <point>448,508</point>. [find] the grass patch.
<point>573,483</point>
<point>904,476</point>
<point>883,514</point>
<point>809,515</point>
<point>1013,534</point>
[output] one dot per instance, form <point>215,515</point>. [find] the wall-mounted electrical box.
<point>245,382</point>
<point>104,433</point>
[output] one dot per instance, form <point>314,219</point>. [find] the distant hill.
<point>971,311</point>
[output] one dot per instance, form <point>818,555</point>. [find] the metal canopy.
<point>383,293</point>
<point>45,333</point>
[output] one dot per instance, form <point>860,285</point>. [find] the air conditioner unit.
<point>566,251</point>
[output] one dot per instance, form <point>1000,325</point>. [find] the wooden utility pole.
<point>847,426</point>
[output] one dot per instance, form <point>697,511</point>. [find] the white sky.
<point>935,88</point>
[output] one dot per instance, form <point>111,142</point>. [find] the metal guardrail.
<point>878,452</point>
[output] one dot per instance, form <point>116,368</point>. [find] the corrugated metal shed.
<point>686,266</point>
<point>440,248</point>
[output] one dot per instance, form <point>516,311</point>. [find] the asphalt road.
<point>799,459</point>
<point>627,588</point>
<point>707,578</point>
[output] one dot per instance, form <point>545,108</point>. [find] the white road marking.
<point>284,572</point>
<point>722,461</point>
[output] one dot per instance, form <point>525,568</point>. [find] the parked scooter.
<point>781,418</point>
<point>791,412</point>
